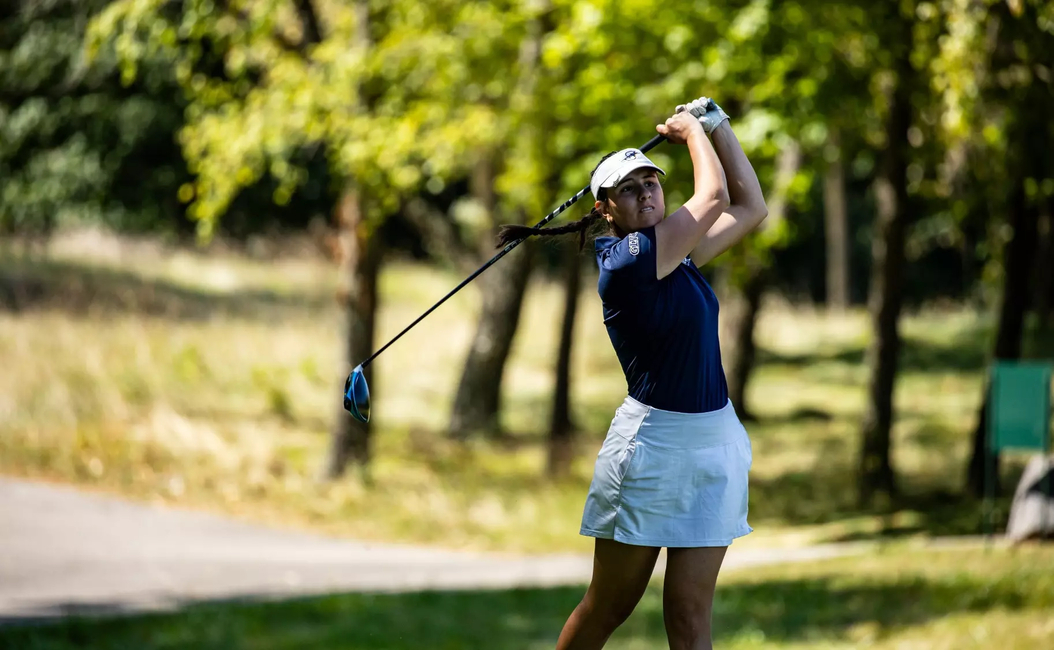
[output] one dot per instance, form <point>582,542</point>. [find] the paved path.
<point>64,551</point>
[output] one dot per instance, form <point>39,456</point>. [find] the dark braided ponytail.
<point>511,232</point>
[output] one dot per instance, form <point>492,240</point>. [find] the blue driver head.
<point>357,395</point>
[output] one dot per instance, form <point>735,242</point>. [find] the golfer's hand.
<point>710,115</point>
<point>680,127</point>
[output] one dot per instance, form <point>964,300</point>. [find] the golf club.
<point>357,392</point>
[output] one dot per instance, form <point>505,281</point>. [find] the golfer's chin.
<point>648,219</point>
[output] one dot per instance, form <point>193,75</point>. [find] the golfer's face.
<point>637,201</point>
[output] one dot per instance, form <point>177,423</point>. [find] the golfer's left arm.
<point>746,209</point>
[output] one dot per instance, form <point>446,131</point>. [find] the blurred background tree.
<point>274,87</point>
<point>77,145</point>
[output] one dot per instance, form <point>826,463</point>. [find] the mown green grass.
<point>897,598</point>
<point>212,382</point>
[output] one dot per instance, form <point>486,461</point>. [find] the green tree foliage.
<point>442,81</point>
<point>260,94</point>
<point>76,144</point>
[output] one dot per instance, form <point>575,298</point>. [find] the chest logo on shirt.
<point>634,244</point>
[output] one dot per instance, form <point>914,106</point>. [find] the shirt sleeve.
<point>631,261</point>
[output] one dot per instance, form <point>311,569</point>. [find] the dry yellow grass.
<point>212,381</point>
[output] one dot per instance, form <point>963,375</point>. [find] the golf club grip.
<point>648,146</point>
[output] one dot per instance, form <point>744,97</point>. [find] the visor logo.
<point>630,155</point>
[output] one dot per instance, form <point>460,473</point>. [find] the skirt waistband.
<point>670,429</point>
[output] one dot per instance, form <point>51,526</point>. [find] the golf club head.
<point>357,395</point>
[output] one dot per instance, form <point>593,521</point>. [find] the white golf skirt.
<point>670,479</point>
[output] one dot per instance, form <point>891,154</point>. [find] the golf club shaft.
<point>651,144</point>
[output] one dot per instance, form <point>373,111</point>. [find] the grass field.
<point>902,599</point>
<point>211,382</point>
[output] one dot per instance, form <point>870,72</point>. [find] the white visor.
<point>617,167</point>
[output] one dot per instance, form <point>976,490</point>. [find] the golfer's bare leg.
<point>620,576</point>
<point>688,595</point>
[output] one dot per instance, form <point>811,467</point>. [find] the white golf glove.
<point>710,115</point>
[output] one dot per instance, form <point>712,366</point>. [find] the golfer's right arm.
<point>678,234</point>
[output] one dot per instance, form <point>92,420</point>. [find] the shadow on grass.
<point>828,496</point>
<point>802,415</point>
<point>937,513</point>
<point>80,290</point>
<point>786,610</point>
<point>829,607</point>
<point>963,352</point>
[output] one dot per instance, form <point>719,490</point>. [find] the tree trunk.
<point>361,253</point>
<point>477,406</point>
<point>885,293</point>
<point>836,231</point>
<point>1044,278</point>
<point>741,308</point>
<point>1017,261</point>
<point>742,320</point>
<point>1028,156</point>
<point>361,256</point>
<point>561,427</point>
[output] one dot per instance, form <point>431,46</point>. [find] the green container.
<point>1019,406</point>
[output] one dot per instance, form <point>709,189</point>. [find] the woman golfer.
<point>672,471</point>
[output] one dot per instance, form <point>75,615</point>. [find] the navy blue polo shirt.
<point>664,331</point>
